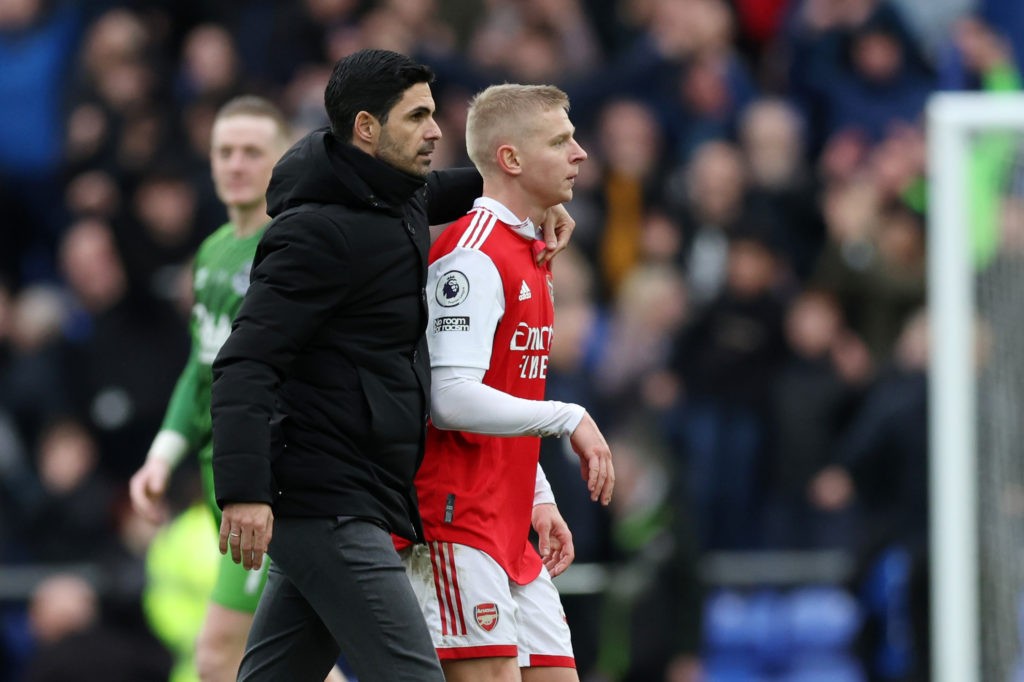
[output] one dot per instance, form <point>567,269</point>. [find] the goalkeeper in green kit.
<point>249,135</point>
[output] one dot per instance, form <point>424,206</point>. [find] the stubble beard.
<point>391,154</point>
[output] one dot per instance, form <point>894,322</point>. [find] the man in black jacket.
<point>320,393</point>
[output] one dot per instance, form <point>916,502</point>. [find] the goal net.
<point>976,304</point>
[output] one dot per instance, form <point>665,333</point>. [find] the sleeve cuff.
<point>168,446</point>
<point>542,493</point>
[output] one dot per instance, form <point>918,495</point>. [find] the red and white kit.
<point>482,586</point>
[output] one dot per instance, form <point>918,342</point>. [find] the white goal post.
<point>952,120</point>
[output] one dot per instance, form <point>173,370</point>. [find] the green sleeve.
<point>181,411</point>
<point>1003,78</point>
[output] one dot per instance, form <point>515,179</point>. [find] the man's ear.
<point>508,160</point>
<point>366,128</point>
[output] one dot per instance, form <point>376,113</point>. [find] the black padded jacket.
<point>320,394</point>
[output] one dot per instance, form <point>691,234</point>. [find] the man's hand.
<point>983,48</point>
<point>147,488</point>
<point>557,226</point>
<point>595,460</point>
<point>554,540</point>
<point>246,529</point>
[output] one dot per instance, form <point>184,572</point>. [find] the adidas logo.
<point>524,292</point>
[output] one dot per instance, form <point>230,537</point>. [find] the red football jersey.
<point>491,308</point>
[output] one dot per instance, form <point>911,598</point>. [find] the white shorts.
<point>473,610</point>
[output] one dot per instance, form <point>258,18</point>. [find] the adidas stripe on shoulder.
<point>478,231</point>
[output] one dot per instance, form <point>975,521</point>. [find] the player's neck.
<point>521,205</point>
<point>248,221</point>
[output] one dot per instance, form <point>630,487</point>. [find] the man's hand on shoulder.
<point>557,226</point>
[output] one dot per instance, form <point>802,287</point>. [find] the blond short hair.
<point>253,105</point>
<point>503,114</point>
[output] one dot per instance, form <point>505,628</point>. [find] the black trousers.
<point>337,585</point>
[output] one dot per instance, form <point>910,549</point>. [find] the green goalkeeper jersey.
<point>220,278</point>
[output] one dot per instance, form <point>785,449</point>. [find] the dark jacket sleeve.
<point>299,276</point>
<point>451,193</point>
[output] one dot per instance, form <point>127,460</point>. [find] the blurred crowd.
<point>741,308</point>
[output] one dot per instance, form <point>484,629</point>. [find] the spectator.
<point>648,314</point>
<point>32,390</point>
<point>37,39</point>
<point>17,490</point>
<point>536,41</point>
<point>881,455</point>
<point>1010,19</point>
<point>881,462</point>
<point>122,358</point>
<point>874,263</point>
<point>781,189</point>
<point>710,195</point>
<point>630,149</point>
<point>714,85</point>
<point>210,66</point>
<point>113,97</point>
<point>67,622</point>
<point>856,65</point>
<point>725,361</point>
<point>71,518</point>
<point>975,56</point>
<point>159,234</point>
<point>980,57</point>
<point>811,401</point>
<point>654,562</point>
<point>298,30</point>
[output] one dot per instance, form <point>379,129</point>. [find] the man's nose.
<point>581,153</point>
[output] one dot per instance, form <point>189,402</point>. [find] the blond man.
<point>486,593</point>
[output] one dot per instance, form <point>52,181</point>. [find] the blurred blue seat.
<point>824,667</point>
<point>754,625</point>
<point>16,640</point>
<point>769,622</point>
<point>735,667</point>
<point>823,618</point>
<point>885,594</point>
<point>885,582</point>
<point>726,622</point>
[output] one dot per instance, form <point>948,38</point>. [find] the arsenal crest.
<point>486,615</point>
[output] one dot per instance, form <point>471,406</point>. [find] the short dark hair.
<point>371,81</point>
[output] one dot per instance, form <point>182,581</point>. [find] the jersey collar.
<point>524,228</point>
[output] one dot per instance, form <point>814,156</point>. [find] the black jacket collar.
<point>379,184</point>
<point>321,169</point>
